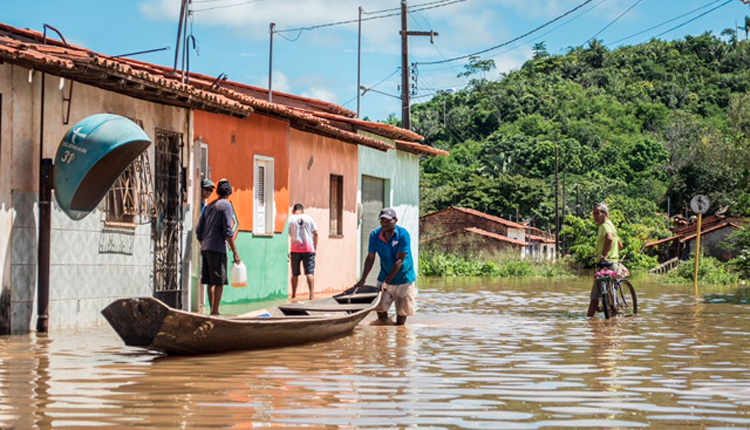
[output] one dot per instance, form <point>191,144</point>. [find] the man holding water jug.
<point>214,233</point>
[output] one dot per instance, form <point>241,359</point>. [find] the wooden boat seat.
<point>356,297</point>
<point>324,308</point>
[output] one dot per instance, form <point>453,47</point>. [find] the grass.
<point>437,263</point>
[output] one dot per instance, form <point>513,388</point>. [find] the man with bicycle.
<point>608,247</point>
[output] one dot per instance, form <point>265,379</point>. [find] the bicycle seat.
<point>604,264</point>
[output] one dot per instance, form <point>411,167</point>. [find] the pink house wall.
<point>313,159</point>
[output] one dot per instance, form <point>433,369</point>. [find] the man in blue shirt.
<point>396,280</point>
<point>214,232</point>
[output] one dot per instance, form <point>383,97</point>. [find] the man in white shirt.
<point>303,234</point>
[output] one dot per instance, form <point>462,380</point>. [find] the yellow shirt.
<point>614,251</point>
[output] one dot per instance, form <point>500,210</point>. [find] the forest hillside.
<point>643,127</point>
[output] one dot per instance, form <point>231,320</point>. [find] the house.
<point>715,230</point>
<point>541,244</point>
<point>386,179</point>
<point>468,230</point>
<point>140,241</point>
<point>134,243</point>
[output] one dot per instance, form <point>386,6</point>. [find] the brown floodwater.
<point>479,354</point>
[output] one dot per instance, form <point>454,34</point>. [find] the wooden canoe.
<point>148,323</point>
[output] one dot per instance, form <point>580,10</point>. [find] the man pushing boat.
<point>396,280</point>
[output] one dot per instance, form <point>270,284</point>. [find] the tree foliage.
<point>642,126</point>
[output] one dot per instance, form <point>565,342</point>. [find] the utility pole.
<point>564,206</point>
<point>180,26</point>
<point>405,86</point>
<point>271,30</point>
<point>557,207</point>
<point>359,60</point>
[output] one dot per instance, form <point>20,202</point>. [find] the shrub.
<point>712,271</point>
<point>506,265</point>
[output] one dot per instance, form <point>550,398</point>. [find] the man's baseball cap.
<point>207,183</point>
<point>388,213</point>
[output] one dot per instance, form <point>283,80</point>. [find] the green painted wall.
<point>401,171</point>
<point>267,269</point>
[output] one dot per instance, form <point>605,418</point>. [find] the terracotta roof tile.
<point>147,81</point>
<point>479,231</point>
<point>495,236</point>
<point>418,148</point>
<point>477,213</point>
<point>531,237</point>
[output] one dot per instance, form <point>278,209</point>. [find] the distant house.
<point>541,244</point>
<point>714,233</point>
<point>468,230</point>
<point>472,240</point>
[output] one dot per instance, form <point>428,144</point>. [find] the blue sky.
<point>233,36</point>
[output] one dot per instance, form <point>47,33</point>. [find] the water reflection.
<point>477,355</point>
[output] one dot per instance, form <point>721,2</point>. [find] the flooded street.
<point>478,355</point>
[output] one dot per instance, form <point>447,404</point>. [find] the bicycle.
<point>617,295</point>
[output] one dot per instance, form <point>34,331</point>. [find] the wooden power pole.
<point>405,86</point>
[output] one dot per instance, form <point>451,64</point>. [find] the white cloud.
<point>313,86</point>
<point>324,94</point>
<point>253,17</point>
<point>281,82</point>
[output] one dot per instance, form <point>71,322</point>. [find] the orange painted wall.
<point>233,143</point>
<point>313,160</point>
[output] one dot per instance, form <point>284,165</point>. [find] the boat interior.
<point>324,308</point>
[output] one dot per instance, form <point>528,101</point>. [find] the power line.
<point>226,6</point>
<point>555,28</point>
<point>416,8</point>
<point>371,88</point>
<point>411,15</point>
<point>412,6</point>
<point>692,19</point>
<point>512,40</point>
<point>614,20</point>
<point>664,23</point>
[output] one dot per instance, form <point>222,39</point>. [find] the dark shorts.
<point>303,257</point>
<point>214,268</point>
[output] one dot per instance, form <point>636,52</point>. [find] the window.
<point>336,208</point>
<point>126,200</point>
<point>121,199</point>
<point>264,195</point>
<point>204,161</point>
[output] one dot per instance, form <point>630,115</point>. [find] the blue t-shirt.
<point>215,226</point>
<point>388,253</point>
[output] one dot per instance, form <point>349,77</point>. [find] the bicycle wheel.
<point>627,301</point>
<point>607,299</point>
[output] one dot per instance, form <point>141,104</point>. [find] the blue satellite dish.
<point>90,158</point>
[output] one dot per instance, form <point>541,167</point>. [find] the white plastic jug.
<point>239,275</point>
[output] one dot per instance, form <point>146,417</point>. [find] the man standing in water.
<point>214,233</point>
<point>607,248</point>
<point>396,280</point>
<point>304,237</point>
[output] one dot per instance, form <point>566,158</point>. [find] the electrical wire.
<point>692,19</point>
<point>226,6</point>
<point>614,21</point>
<point>664,23</point>
<point>411,15</point>
<point>370,88</point>
<point>413,6</point>
<point>417,8</point>
<point>553,29</point>
<point>462,57</point>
